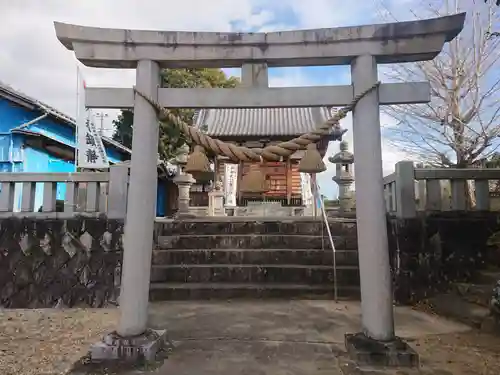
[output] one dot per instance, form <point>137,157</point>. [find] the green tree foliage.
<point>170,136</point>
<point>123,128</point>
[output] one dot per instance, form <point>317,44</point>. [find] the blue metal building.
<point>35,137</point>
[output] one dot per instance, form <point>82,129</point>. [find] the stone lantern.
<point>184,181</point>
<point>181,157</point>
<point>344,176</point>
<point>216,200</point>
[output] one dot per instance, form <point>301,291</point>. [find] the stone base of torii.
<point>362,47</point>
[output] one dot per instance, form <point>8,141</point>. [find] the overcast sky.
<point>33,61</point>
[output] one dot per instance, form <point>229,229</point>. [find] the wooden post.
<point>81,196</point>
<point>7,197</point>
<point>458,195</point>
<point>434,195</point>
<point>387,198</point>
<point>49,197</point>
<point>70,198</point>
<point>28,197</point>
<point>482,188</point>
<point>92,200</point>
<point>103,197</point>
<point>216,171</point>
<point>289,187</point>
<point>238,184</point>
<point>405,190</point>
<point>421,188</point>
<point>264,168</point>
<point>118,190</point>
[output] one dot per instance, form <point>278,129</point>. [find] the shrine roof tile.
<point>266,122</point>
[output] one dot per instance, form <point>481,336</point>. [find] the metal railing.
<point>318,198</point>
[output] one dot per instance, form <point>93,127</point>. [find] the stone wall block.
<point>106,241</point>
<point>431,251</point>
<point>68,244</point>
<point>46,244</point>
<point>47,263</point>
<point>86,241</point>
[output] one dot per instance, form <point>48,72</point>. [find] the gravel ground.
<point>469,353</point>
<point>49,341</point>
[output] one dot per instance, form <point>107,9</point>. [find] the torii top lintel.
<point>389,43</point>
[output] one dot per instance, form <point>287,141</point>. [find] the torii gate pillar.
<point>374,270</point>
<point>362,47</point>
<point>141,206</point>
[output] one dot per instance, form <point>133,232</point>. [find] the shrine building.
<point>260,127</point>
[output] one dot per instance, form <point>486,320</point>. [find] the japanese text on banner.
<point>91,153</point>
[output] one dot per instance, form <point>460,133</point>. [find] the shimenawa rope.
<point>270,153</point>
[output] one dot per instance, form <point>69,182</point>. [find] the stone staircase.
<point>253,258</point>
<point>469,303</point>
<point>480,291</point>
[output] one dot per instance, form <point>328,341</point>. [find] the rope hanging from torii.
<point>310,163</point>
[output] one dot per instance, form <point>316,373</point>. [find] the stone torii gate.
<point>363,47</point>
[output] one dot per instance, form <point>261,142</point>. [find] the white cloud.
<point>312,14</point>
<point>33,60</point>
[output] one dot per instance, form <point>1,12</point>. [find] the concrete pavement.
<point>282,337</point>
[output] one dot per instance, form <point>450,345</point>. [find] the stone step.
<point>204,291</point>
<point>488,277</point>
<point>479,294</point>
<point>254,256</point>
<point>454,306</point>
<point>254,241</point>
<point>235,225</point>
<point>249,273</point>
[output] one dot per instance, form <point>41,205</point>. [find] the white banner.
<point>315,191</point>
<point>230,184</point>
<point>305,182</point>
<point>90,150</point>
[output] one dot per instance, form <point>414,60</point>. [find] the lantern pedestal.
<point>184,183</point>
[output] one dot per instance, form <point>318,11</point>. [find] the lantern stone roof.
<point>260,122</point>
<point>344,156</point>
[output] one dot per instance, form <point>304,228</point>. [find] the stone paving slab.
<point>299,337</point>
<point>299,321</point>
<point>250,357</point>
<point>256,219</point>
<point>254,337</point>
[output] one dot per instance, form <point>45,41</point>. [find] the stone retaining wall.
<point>429,252</point>
<point>49,262</point>
<point>76,262</point>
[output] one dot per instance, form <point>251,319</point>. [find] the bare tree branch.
<point>461,124</point>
